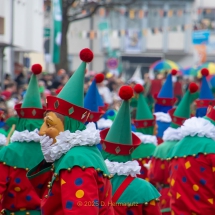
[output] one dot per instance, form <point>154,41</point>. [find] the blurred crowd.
<point>51,84</point>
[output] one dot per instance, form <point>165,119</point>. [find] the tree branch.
<point>74,17</point>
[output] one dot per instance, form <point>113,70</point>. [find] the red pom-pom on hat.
<point>125,92</point>
<point>174,72</point>
<point>86,55</point>
<point>99,78</point>
<point>138,88</point>
<point>36,69</point>
<point>193,87</point>
<point>205,72</point>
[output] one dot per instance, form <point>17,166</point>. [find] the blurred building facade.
<point>21,27</point>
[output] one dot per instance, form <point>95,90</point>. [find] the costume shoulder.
<point>134,192</point>
<point>83,156</point>
<point>143,151</point>
<point>163,149</point>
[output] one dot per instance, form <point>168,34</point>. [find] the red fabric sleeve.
<point>79,191</point>
<point>151,209</point>
<point>4,179</point>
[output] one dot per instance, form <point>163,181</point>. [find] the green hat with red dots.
<point>70,100</point>
<point>31,108</point>
<point>144,117</point>
<point>119,140</point>
<point>182,112</point>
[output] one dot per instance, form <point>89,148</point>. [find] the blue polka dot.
<point>129,212</point>
<point>197,197</point>
<point>142,172</point>
<point>40,186</point>
<point>7,179</point>
<point>197,156</point>
<point>100,174</point>
<point>176,167</point>
<point>78,181</point>
<point>10,195</point>
<point>111,113</point>
<point>202,169</point>
<point>203,181</point>
<point>101,189</point>
<point>51,194</point>
<point>184,179</point>
<point>28,198</point>
<point>12,206</point>
<point>69,205</point>
<point>17,180</point>
<point>96,203</point>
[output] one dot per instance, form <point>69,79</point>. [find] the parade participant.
<point>17,196</point>
<point>164,101</point>
<point>73,178</point>
<point>192,167</point>
<point>146,126</point>
<point>131,195</point>
<point>93,100</point>
<point>159,171</point>
<point>206,96</point>
<point>3,133</point>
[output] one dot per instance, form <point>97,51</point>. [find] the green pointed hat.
<point>73,91</point>
<point>119,140</point>
<point>182,112</point>
<point>32,97</point>
<point>145,120</point>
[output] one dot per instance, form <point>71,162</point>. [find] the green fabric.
<point>143,151</point>
<point>118,158</point>
<point>143,112</point>
<point>133,102</point>
<point>28,124</point>
<point>1,147</point>
<point>166,210</point>
<point>11,121</point>
<point>192,145</point>
<point>134,192</point>
<point>31,175</point>
<point>82,156</point>
<point>34,212</point>
<point>149,130</point>
<point>120,131</point>
<point>162,150</point>
<point>213,122</point>
<point>194,96</point>
<point>32,96</point>
<point>20,154</point>
<point>2,131</point>
<point>73,91</point>
<point>73,125</point>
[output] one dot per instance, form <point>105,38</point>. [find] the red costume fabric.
<point>192,185</point>
<point>139,209</point>
<point>76,191</point>
<point>143,171</point>
<point>159,176</point>
<point>16,192</point>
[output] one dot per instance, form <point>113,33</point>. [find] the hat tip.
<point>138,88</point>
<point>125,92</point>
<point>36,69</point>
<point>86,55</point>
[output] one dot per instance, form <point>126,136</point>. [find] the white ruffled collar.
<point>198,126</point>
<point>131,168</point>
<point>25,136</point>
<point>172,134</point>
<point>163,117</point>
<point>104,123</point>
<point>3,140</point>
<point>67,140</point>
<point>145,139</point>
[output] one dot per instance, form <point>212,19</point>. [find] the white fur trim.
<point>3,140</point>
<point>198,126</point>
<point>67,140</point>
<point>147,138</point>
<point>163,117</point>
<point>172,134</point>
<point>25,136</point>
<point>131,168</point>
<point>104,123</point>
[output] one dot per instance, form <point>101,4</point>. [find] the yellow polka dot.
<point>79,194</point>
<point>106,194</point>
<point>187,165</point>
<point>22,209</point>
<point>211,201</point>
<point>169,194</point>
<point>178,195</point>
<point>195,187</point>
<point>143,162</point>
<point>152,202</point>
<point>17,189</point>
<point>0,196</point>
<point>193,213</point>
<point>172,182</point>
<point>163,202</point>
<point>172,213</point>
<point>213,169</point>
<point>146,179</point>
<point>162,166</point>
<point>168,180</point>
